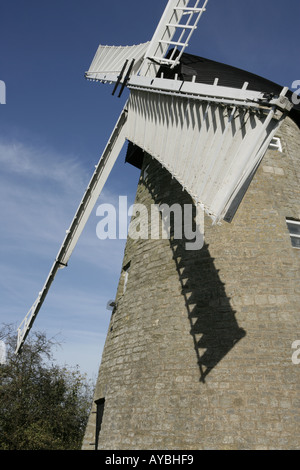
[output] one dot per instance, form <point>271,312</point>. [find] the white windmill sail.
<point>210,140</point>
<point>174,31</point>
<point>101,173</point>
<point>111,61</point>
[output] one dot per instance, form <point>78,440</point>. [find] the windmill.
<point>214,159</point>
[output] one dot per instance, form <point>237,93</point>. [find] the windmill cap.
<point>206,71</point>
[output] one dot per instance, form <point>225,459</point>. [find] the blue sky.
<point>54,127</point>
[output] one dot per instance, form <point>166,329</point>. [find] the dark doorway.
<point>99,416</point>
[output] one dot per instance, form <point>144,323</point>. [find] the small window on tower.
<point>275,144</point>
<point>126,270</point>
<point>294,229</point>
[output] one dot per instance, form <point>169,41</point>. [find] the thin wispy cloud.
<point>39,193</point>
<point>42,165</point>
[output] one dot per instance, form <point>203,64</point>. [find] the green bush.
<point>42,406</point>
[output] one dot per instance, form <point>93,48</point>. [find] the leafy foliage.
<point>42,406</point>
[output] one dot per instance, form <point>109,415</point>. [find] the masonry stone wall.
<point>199,349</point>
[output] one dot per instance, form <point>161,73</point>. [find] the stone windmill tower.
<point>199,349</point>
